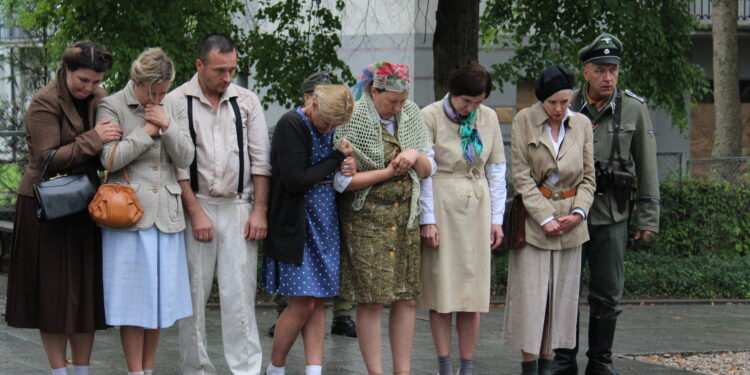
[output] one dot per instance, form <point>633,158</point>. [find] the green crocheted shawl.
<point>364,132</point>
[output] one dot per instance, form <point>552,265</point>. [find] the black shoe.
<point>344,326</point>
<point>601,336</point>
<point>271,330</point>
<point>565,362</point>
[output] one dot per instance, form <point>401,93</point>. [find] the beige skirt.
<point>542,299</point>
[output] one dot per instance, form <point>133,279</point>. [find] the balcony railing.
<point>11,34</point>
<point>703,10</point>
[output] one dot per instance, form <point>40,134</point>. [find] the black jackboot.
<point>601,336</point>
<point>565,359</point>
<point>565,362</point>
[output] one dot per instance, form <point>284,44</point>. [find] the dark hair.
<point>87,55</point>
<point>219,41</point>
<point>471,79</point>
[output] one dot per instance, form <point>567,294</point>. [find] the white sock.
<point>80,370</point>
<point>59,371</point>
<point>135,373</point>
<point>273,370</point>
<point>313,370</point>
<point>148,372</point>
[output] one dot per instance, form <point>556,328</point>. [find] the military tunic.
<point>638,149</point>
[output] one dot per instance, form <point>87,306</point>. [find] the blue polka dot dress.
<point>318,275</point>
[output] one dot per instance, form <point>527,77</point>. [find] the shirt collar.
<point>193,88</point>
<point>130,98</point>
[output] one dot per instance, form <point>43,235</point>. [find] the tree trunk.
<point>456,39</point>
<point>728,134</point>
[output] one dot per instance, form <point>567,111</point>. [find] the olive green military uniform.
<point>605,250</point>
<point>608,223</point>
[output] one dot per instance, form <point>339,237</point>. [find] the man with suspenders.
<point>231,165</point>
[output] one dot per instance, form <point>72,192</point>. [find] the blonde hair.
<point>335,102</point>
<point>153,66</point>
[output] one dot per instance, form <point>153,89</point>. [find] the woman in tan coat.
<point>55,276</point>
<point>553,170</point>
<point>462,212</point>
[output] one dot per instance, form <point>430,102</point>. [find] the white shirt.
<point>216,146</point>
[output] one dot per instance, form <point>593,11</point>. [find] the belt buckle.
<point>556,195</point>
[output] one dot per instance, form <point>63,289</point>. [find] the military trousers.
<point>604,253</point>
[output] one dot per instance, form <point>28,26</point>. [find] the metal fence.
<point>669,164</point>
<point>735,169</point>
<point>703,9</point>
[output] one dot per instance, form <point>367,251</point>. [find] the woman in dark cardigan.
<point>302,248</point>
<point>55,277</point>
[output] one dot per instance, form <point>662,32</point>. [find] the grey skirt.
<point>542,299</point>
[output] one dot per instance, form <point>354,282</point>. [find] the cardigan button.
<point>155,189</point>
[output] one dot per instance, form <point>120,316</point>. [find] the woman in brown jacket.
<point>55,280</point>
<point>553,170</point>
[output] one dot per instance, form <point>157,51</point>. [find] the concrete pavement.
<point>641,329</point>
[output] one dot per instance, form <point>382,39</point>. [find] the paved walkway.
<point>642,329</point>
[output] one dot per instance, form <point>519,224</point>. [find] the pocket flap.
<point>174,188</point>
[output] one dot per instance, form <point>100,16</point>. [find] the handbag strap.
<point>109,166</point>
<point>47,162</point>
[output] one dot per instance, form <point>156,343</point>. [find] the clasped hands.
<point>348,167</point>
<point>403,162</point>
<point>156,120</point>
<point>562,225</point>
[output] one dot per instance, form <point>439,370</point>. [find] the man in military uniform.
<point>624,145</point>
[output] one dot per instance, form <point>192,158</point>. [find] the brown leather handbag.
<point>514,223</point>
<point>115,205</point>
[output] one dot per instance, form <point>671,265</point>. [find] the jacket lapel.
<point>540,135</point>
<point>568,141</point>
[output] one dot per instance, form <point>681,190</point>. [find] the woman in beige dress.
<point>553,170</point>
<point>462,212</point>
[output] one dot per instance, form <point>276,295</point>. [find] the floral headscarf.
<point>384,75</point>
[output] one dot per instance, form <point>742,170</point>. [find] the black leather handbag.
<point>61,195</point>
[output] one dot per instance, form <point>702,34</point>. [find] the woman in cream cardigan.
<point>553,170</point>
<point>145,272</point>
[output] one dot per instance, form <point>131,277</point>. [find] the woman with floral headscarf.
<point>380,257</point>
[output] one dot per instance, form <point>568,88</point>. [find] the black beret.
<point>554,79</point>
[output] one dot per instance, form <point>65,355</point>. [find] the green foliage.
<point>294,39</point>
<point>127,27</point>
<point>656,38</point>
<point>697,276</point>
<point>10,178</point>
<point>286,42</point>
<point>703,217</point>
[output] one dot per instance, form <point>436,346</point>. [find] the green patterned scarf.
<point>363,131</point>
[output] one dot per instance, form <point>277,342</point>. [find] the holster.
<point>623,186</point>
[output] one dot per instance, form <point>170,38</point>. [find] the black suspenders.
<point>240,144</point>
